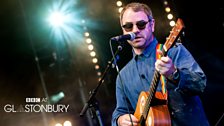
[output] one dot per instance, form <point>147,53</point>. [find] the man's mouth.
<point>138,37</point>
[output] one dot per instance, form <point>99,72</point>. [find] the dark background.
<point>24,36</point>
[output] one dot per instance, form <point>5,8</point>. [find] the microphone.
<point>130,36</point>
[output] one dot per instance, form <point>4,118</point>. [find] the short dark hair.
<point>135,6</point>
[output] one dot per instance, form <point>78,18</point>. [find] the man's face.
<point>138,22</point>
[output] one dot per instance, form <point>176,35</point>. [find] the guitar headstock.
<point>174,33</point>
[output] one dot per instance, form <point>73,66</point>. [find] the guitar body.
<point>158,115</point>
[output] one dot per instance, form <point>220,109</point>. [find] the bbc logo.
<point>32,99</point>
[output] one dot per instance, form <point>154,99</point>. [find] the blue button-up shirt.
<point>183,101</point>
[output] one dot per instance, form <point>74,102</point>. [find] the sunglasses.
<point>140,24</point>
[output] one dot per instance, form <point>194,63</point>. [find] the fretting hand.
<point>124,120</point>
<point>164,65</point>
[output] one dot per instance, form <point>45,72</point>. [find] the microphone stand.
<point>92,102</point>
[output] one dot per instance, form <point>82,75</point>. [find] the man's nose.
<point>135,29</point>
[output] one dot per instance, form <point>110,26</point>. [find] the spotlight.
<point>120,9</point>
<point>170,16</point>
<point>86,34</point>
<point>95,60</point>
<point>90,47</point>
<point>58,124</point>
<point>92,54</point>
<point>57,19</point>
<point>67,123</point>
<point>88,40</point>
<point>167,9</point>
<point>119,3</point>
<point>97,67</point>
<point>57,97</point>
<point>172,23</point>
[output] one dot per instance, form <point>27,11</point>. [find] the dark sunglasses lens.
<point>141,24</point>
<point>128,26</point>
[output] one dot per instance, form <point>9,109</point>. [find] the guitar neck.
<point>153,87</point>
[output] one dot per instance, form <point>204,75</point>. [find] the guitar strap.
<point>162,78</point>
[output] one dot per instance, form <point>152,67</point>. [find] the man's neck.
<point>139,51</point>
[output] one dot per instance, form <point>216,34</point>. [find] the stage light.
<point>57,97</point>
<point>97,67</point>
<point>165,2</point>
<point>92,54</point>
<point>172,23</point>
<point>67,123</point>
<point>86,34</point>
<point>119,3</point>
<point>83,21</point>
<point>120,9</point>
<point>90,47</point>
<point>58,124</point>
<point>95,60</point>
<point>65,21</point>
<point>167,9</point>
<point>170,16</point>
<point>88,40</point>
<point>99,73</point>
<point>84,28</point>
<point>100,79</point>
<point>57,19</point>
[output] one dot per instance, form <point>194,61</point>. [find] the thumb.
<point>159,52</point>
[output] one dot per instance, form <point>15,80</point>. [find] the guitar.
<point>152,109</point>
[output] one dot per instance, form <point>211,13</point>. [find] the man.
<point>185,79</point>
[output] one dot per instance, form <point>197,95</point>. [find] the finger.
<point>129,123</point>
<point>157,65</point>
<point>167,63</point>
<point>160,63</point>
<point>159,52</point>
<point>134,119</point>
<point>165,59</point>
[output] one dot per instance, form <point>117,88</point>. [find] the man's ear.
<point>152,23</point>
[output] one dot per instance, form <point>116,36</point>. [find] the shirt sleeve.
<point>192,78</point>
<point>123,105</point>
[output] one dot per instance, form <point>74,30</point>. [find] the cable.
<point>219,120</point>
<point>119,76</point>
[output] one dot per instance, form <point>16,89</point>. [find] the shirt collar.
<point>148,50</point>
